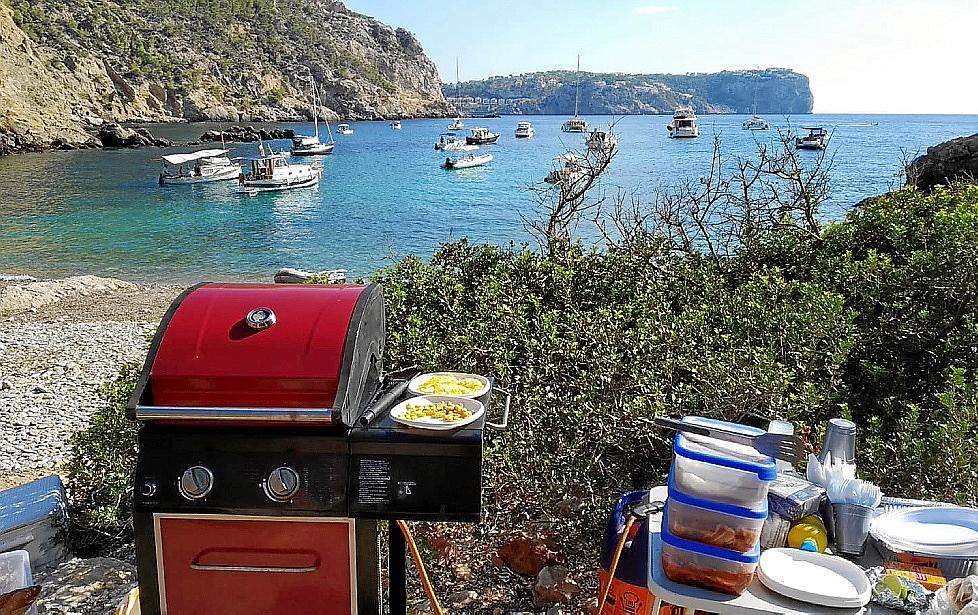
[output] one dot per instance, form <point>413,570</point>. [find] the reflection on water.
<point>383,194</point>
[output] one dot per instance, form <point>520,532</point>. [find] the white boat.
<point>481,136</point>
<point>817,138</point>
<point>466,162</point>
<point>576,124</point>
<point>756,123</point>
<point>601,141</point>
<point>451,142</point>
<point>206,165</point>
<point>344,129</point>
<point>271,172</point>
<point>524,130</point>
<point>570,172</point>
<point>303,145</point>
<point>457,123</point>
<point>683,124</point>
<point>396,125</point>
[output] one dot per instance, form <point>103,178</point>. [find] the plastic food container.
<point>720,471</point>
<point>15,573</point>
<point>692,563</point>
<point>720,525</point>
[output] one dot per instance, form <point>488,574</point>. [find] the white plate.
<point>417,381</point>
<point>815,578</point>
<point>934,531</point>
<point>472,405</point>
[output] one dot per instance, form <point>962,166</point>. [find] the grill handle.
<point>279,569</point>
<point>502,425</point>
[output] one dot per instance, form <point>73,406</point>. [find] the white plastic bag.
<point>962,594</point>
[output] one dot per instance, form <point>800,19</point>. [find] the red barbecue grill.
<point>267,456</point>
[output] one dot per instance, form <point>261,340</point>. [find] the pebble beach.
<point>59,341</point>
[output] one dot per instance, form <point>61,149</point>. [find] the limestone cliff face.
<point>67,65</point>
<point>776,90</point>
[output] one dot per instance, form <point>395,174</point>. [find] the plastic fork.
<point>785,447</point>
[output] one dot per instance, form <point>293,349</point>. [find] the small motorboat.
<point>601,141</point>
<point>450,142</point>
<point>202,166</point>
<point>457,124</point>
<point>683,124</point>
<point>271,172</point>
<point>524,130</point>
<point>344,129</point>
<point>396,125</point>
<point>569,173</point>
<point>467,162</point>
<point>756,122</point>
<point>481,136</point>
<point>817,138</point>
<point>311,146</point>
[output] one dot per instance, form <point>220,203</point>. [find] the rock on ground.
<point>85,586</point>
<point>954,160</point>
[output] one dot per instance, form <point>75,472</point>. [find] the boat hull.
<point>481,140</point>
<point>267,185</point>
<point>231,173</point>
<point>319,150</point>
<point>453,165</point>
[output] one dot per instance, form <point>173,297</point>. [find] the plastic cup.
<point>840,440</point>
<point>852,527</point>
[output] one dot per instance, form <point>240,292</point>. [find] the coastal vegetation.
<point>773,90</point>
<point>725,297</point>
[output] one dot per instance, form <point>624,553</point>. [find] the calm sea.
<point>383,195</point>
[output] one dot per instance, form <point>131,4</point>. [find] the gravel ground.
<point>53,360</point>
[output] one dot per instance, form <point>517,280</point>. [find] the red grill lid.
<point>210,356</point>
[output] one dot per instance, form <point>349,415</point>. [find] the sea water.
<point>383,195</point>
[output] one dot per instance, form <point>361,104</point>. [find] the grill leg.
<point>396,574</point>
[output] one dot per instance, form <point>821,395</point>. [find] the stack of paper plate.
<point>939,532</point>
<point>814,577</point>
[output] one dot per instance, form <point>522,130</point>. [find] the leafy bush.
<point>101,464</point>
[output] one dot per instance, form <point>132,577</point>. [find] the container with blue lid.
<point>711,523</point>
<point>693,563</point>
<point>720,471</point>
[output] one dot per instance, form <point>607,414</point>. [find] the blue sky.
<point>862,56</point>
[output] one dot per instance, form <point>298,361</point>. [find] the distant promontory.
<point>772,90</point>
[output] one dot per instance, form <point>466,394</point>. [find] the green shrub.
<point>101,464</point>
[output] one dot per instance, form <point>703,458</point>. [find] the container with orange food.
<point>693,563</point>
<point>714,523</point>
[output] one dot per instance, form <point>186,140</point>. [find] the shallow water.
<point>383,195</point>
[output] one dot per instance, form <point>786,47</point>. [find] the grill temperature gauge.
<point>196,482</point>
<point>282,484</point>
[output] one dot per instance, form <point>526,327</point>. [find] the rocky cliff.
<point>67,65</point>
<point>776,91</point>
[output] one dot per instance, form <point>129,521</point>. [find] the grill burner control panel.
<point>222,469</point>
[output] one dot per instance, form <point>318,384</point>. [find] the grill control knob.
<point>196,482</point>
<point>282,484</point>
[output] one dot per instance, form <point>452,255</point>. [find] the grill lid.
<point>262,352</point>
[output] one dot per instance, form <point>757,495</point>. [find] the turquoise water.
<point>383,195</point>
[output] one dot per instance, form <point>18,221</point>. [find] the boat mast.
<point>315,107</point>
<point>577,84</point>
<point>458,96</point>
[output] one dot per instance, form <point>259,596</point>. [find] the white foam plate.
<point>417,381</point>
<point>472,405</point>
<point>934,531</point>
<point>815,578</point>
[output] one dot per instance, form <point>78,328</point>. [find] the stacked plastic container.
<point>715,511</point>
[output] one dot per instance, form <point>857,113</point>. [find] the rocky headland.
<point>773,90</point>
<point>67,68</point>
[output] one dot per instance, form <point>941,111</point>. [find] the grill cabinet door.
<point>252,566</point>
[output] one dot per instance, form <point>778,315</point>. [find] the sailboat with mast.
<point>576,124</point>
<point>457,123</point>
<point>303,145</point>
